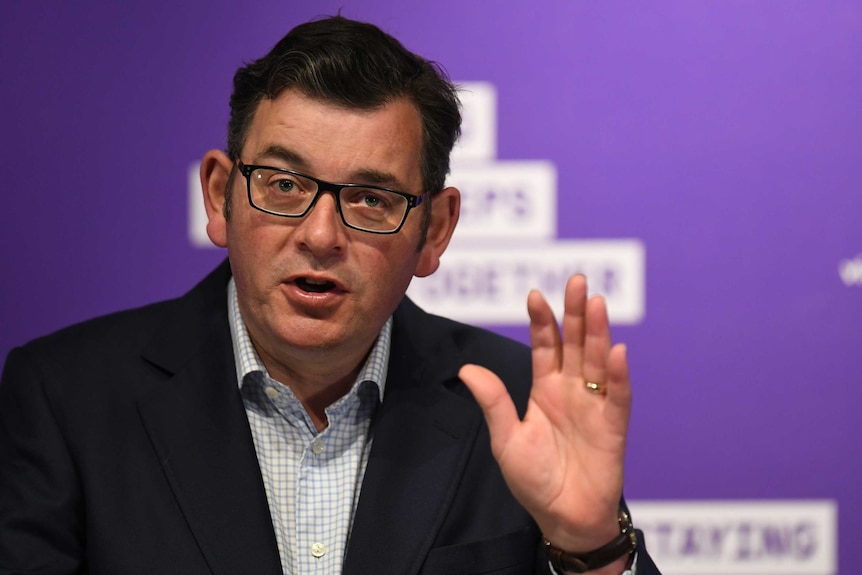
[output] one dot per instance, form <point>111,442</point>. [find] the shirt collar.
<point>248,361</point>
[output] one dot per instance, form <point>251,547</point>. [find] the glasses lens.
<point>373,209</point>
<point>280,192</point>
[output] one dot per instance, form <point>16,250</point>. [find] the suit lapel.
<point>198,427</point>
<point>423,436</point>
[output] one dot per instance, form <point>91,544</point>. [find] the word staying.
<point>736,542</point>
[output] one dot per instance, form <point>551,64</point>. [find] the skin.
<point>564,461</point>
<point>315,343</point>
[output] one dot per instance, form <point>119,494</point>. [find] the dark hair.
<point>355,65</point>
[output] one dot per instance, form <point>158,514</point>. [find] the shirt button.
<point>318,550</point>
<point>272,392</point>
<point>317,447</point>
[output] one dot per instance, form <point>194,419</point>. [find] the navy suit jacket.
<point>125,449</point>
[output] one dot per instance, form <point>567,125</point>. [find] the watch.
<point>624,543</point>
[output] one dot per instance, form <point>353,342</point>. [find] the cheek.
<point>252,256</point>
<point>397,267</point>
<point>382,265</point>
<point>255,234</point>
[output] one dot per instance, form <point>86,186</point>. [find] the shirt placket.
<point>314,510</point>
<point>325,494</point>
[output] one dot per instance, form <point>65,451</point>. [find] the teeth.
<point>315,282</point>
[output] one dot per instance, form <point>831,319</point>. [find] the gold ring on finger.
<point>595,388</point>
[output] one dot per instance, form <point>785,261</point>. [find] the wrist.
<point>582,537</point>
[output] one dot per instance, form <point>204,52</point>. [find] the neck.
<point>324,377</point>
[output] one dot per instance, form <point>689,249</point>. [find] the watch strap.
<point>624,543</point>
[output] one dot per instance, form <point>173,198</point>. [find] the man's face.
<point>312,284</point>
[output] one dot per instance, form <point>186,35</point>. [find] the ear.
<point>215,173</point>
<point>445,209</point>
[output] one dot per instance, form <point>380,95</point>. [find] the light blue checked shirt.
<point>312,479</point>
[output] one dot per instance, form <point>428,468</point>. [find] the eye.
<point>281,183</point>
<point>284,185</point>
<point>374,199</point>
<point>368,201</point>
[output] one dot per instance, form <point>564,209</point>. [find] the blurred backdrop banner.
<point>699,161</point>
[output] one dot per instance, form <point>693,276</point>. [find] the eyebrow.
<point>363,175</point>
<point>286,155</point>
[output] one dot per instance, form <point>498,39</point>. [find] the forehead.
<point>335,142</point>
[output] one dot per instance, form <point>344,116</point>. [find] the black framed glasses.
<point>290,194</point>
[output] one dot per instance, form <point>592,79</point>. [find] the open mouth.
<point>314,286</point>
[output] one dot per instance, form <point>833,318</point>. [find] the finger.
<point>496,403</point>
<point>544,336</point>
<point>619,404</point>
<point>597,342</point>
<point>574,325</point>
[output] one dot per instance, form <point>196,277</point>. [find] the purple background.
<point>726,135</point>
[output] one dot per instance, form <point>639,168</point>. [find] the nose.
<point>321,232</point>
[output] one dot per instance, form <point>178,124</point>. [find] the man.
<point>296,413</point>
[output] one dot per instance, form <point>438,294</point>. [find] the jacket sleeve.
<point>645,565</point>
<point>40,493</point>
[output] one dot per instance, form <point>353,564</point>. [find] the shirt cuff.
<point>632,571</point>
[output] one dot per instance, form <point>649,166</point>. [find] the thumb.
<point>491,395</point>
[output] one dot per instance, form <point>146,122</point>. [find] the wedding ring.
<point>595,387</point>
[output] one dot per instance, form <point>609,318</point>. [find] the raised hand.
<point>564,461</point>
